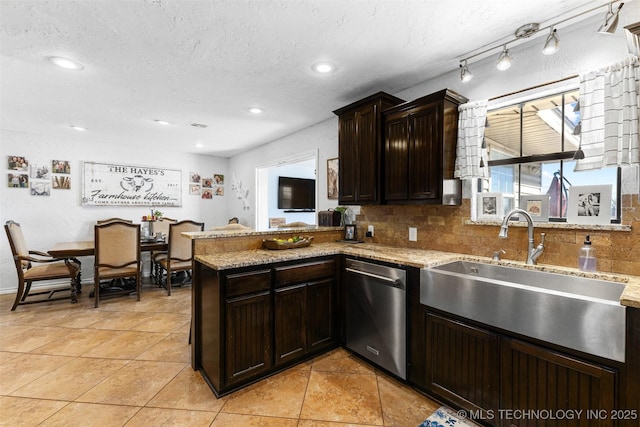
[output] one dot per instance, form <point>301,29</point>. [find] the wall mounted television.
<point>296,194</point>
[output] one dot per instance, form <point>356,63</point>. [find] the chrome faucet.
<point>532,254</point>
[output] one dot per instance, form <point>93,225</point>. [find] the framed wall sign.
<point>490,206</point>
<point>589,204</point>
<point>537,206</point>
<point>115,184</point>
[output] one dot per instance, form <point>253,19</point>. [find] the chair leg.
<point>138,287</point>
<point>96,289</point>
<point>19,295</point>
<point>168,282</point>
<point>26,291</point>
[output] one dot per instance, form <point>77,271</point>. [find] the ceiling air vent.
<point>198,125</point>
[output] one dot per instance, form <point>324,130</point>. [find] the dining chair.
<point>160,227</point>
<point>34,266</point>
<point>179,253</point>
<point>106,221</point>
<point>117,256</point>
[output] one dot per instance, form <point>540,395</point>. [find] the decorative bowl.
<point>279,244</point>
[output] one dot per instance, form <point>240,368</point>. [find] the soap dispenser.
<point>587,256</point>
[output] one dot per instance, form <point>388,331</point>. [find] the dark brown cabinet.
<point>251,321</point>
<point>248,324</point>
<point>248,336</point>
<point>499,377</point>
<point>420,149</point>
<point>360,149</point>
<point>535,378</point>
<point>304,311</point>
<point>468,371</point>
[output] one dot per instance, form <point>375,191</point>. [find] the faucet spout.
<point>532,254</point>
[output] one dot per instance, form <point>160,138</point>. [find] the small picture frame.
<point>589,204</point>
<point>350,232</point>
<point>535,205</point>
<point>490,206</point>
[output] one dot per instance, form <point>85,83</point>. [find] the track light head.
<point>610,20</point>
<point>552,44</point>
<point>504,60</point>
<point>465,74</point>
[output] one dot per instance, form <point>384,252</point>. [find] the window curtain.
<point>609,102</point>
<point>471,158</point>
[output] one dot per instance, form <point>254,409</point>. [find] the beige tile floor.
<point>127,363</point>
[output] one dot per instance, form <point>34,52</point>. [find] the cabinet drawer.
<point>246,283</point>
<point>306,272</point>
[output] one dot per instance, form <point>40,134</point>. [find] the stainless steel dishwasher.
<point>376,312</point>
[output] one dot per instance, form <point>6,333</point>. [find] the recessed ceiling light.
<point>162,122</point>
<point>255,110</point>
<point>198,145</point>
<point>78,128</point>
<point>66,63</point>
<point>323,67</point>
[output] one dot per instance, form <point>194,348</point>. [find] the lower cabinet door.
<point>248,336</point>
<point>537,379</point>
<point>320,314</point>
<point>463,365</point>
<point>290,336</point>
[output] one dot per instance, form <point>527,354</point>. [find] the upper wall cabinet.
<point>420,150</point>
<point>360,149</point>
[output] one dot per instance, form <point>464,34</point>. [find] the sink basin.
<point>575,312</point>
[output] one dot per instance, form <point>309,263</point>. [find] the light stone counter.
<point>411,257</point>
<point>223,232</point>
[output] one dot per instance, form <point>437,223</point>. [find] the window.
<point>531,148</point>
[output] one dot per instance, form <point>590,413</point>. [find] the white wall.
<point>323,137</point>
<point>61,217</point>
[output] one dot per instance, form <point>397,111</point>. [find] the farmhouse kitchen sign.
<point>109,184</point>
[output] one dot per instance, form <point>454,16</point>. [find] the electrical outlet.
<point>370,230</point>
<point>413,234</point>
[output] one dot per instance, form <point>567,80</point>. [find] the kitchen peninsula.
<point>258,311</point>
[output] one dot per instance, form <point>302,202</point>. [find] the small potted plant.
<point>343,213</point>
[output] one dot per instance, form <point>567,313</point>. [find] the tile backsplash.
<point>447,228</point>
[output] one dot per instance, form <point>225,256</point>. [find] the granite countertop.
<point>419,258</point>
<point>218,232</point>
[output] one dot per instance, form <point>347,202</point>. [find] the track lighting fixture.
<point>552,43</point>
<point>504,60</point>
<point>610,20</point>
<point>465,74</point>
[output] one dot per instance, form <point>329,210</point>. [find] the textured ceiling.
<point>208,61</point>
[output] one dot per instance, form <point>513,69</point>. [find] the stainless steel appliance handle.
<point>394,282</point>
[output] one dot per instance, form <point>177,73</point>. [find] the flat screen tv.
<point>296,193</point>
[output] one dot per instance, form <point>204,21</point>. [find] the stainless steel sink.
<point>575,312</point>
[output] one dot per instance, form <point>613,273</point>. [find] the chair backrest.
<point>117,244</point>
<point>180,246</point>
<point>17,242</point>
<point>162,225</point>
<point>106,221</point>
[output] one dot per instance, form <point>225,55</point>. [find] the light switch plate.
<point>413,234</point>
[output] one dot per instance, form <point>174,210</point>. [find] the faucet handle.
<point>542,235</point>
<point>496,254</point>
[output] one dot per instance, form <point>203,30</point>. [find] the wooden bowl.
<point>273,244</point>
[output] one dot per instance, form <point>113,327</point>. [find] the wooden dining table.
<point>87,248</point>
